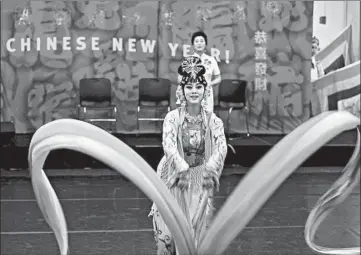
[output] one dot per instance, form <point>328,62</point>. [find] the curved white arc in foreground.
<point>268,174</point>
<point>270,159</point>
<point>338,192</point>
<point>91,140</point>
<point>242,205</point>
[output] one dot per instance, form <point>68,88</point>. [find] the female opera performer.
<point>195,149</point>
<point>317,70</point>
<point>212,73</point>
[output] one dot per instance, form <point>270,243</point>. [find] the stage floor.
<point>248,152</point>
<point>109,216</point>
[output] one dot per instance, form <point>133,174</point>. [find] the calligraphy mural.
<point>127,41</point>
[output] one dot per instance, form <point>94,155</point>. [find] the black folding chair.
<point>155,91</point>
<point>232,96</point>
<point>96,94</point>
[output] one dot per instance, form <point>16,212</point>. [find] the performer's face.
<point>315,47</point>
<point>194,92</point>
<point>199,43</point>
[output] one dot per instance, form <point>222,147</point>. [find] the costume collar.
<point>205,115</point>
<point>196,54</point>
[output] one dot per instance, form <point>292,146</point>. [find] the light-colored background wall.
<point>339,14</point>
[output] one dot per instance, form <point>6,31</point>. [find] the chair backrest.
<point>154,89</point>
<point>95,90</point>
<point>232,91</point>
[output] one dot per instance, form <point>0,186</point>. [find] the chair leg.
<point>246,113</point>
<point>228,137</point>
<point>115,117</point>
<point>229,122</point>
<point>248,134</point>
<point>84,112</point>
<point>78,112</point>
<point>138,110</point>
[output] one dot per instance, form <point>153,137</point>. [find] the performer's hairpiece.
<point>315,39</point>
<point>192,71</point>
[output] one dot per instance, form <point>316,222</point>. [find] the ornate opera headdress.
<point>192,71</point>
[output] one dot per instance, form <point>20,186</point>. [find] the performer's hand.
<point>210,180</point>
<point>182,180</point>
<point>208,183</point>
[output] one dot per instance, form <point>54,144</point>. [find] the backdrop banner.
<point>127,41</point>
<point>338,90</point>
<point>336,55</point>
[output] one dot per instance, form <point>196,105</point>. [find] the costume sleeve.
<point>320,70</point>
<point>219,146</point>
<point>170,138</point>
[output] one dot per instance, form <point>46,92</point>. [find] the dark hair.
<point>315,39</point>
<point>199,33</point>
<point>192,71</point>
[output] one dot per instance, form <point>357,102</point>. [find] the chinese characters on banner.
<point>260,81</point>
<point>23,15</point>
<point>239,11</point>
